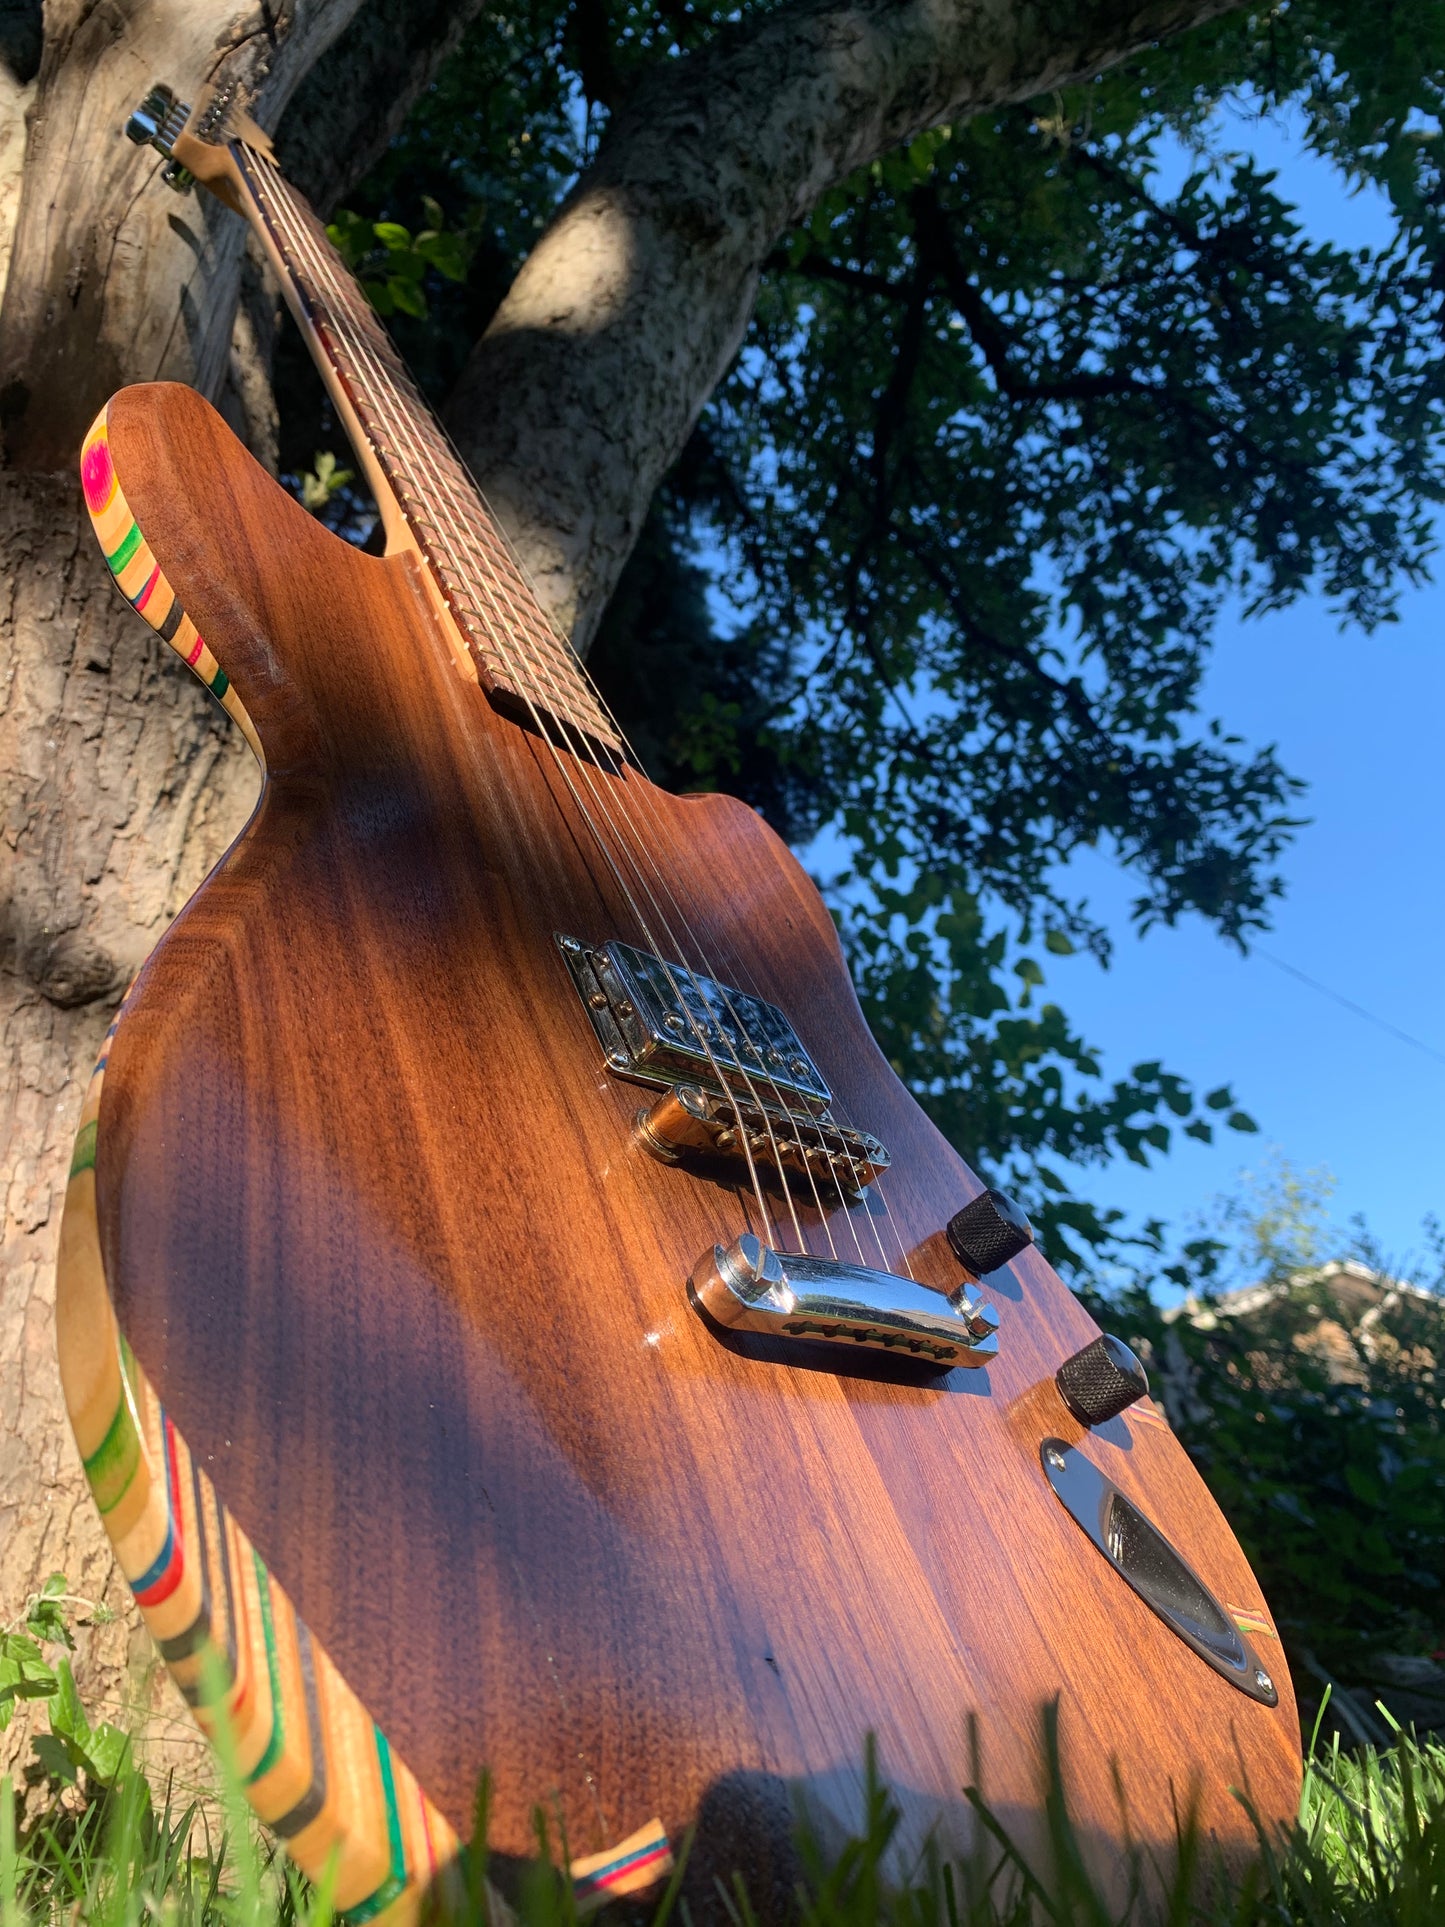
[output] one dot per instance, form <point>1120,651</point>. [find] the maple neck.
<point>524,666</point>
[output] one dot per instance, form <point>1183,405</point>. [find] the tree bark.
<point>591,375</point>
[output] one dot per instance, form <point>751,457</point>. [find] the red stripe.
<point>194,657</point>
<point>145,595</point>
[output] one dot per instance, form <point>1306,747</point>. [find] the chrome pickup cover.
<point>662,1023</point>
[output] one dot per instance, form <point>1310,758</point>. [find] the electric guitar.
<point>511,1315</point>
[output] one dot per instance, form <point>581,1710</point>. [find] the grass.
<point>1368,1850</point>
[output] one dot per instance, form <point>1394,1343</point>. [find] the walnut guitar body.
<point>368,1209</point>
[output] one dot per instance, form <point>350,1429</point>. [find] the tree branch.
<point>633,303</point>
<point>350,107</point>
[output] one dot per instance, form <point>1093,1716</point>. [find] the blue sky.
<point>1361,719</point>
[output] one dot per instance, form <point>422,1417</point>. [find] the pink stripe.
<point>145,595</point>
<point>97,477</point>
<point>195,656</point>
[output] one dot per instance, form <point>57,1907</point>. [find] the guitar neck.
<point>428,501</point>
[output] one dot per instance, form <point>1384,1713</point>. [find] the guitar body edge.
<point>412,1302</point>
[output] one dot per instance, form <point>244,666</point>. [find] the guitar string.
<point>498,634</point>
<point>802,1123</point>
<point>300,240</point>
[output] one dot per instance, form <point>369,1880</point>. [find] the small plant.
<point>72,1746</point>
<point>320,485</point>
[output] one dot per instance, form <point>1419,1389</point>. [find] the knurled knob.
<point>1100,1381</point>
<point>989,1231</point>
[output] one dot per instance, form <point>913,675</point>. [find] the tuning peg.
<point>1100,1381</point>
<point>159,122</point>
<point>989,1231</point>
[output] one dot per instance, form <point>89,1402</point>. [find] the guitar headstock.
<point>195,140</point>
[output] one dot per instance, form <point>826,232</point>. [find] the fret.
<point>523,665</point>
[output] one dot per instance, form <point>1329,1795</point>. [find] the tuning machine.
<point>159,122</point>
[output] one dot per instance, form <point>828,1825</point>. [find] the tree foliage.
<point>1022,410</point>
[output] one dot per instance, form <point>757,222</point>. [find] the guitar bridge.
<point>688,1120</point>
<point>735,1077</point>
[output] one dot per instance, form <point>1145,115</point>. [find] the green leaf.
<point>104,1752</point>
<point>392,235</point>
<point>67,1716</point>
<point>1221,1099</point>
<point>1241,1121</point>
<point>24,1674</point>
<point>407,296</point>
<point>1059,942</point>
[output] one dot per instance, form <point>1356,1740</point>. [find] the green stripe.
<point>395,1881</point>
<point>83,1157</point>
<point>112,1465</point>
<point>220,683</point>
<point>119,557</point>
<point>278,1726</point>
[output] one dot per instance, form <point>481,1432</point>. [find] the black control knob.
<point>1101,1380</point>
<point>988,1232</point>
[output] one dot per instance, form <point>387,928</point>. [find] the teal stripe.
<point>395,1881</point>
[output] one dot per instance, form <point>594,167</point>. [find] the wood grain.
<point>372,1219</point>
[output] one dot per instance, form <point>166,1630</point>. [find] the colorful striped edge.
<point>315,1766</point>
<point>632,1866</point>
<point>1253,1619</point>
<point>138,575</point>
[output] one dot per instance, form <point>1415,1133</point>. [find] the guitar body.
<point>370,1213</point>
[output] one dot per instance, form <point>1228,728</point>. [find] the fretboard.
<point>524,666</point>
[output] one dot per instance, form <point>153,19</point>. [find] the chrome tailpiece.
<point>748,1287</point>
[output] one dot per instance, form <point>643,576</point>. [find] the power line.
<point>1381,1023</point>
